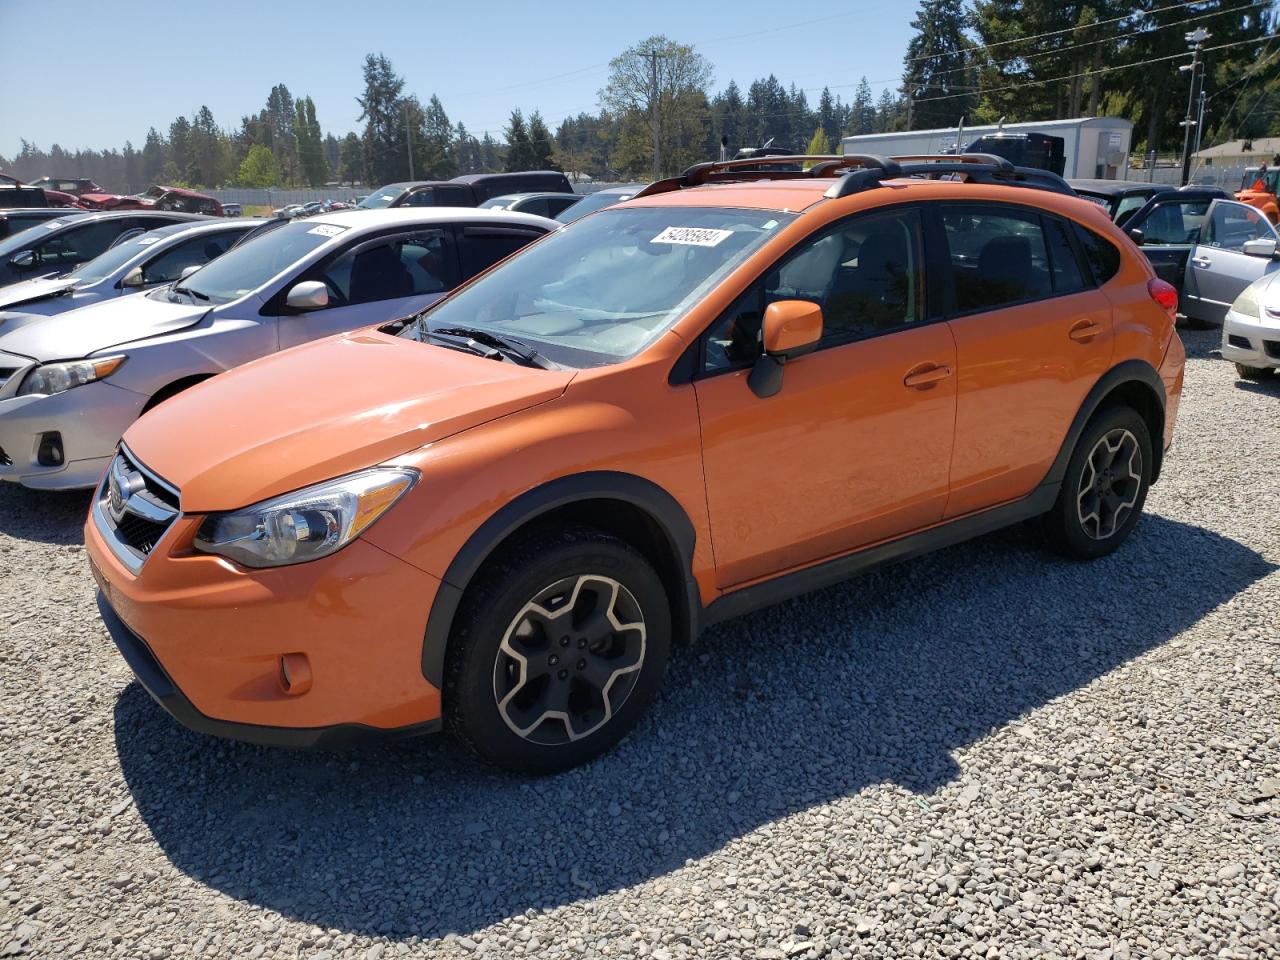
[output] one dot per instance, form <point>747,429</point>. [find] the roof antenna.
<point>960,136</point>
<point>1000,126</point>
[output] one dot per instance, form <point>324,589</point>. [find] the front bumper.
<point>1252,341</point>
<point>90,421</point>
<point>206,638</point>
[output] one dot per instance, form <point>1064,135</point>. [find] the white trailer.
<point>1093,147</point>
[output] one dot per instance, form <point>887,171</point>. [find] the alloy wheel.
<point>569,659</point>
<point>1109,483</point>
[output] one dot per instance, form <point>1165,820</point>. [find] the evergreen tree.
<point>939,79</point>
<point>308,144</point>
<point>819,145</point>
<point>179,153</point>
<point>350,159</point>
<point>153,151</point>
<point>828,117</point>
<point>862,118</point>
<point>385,156</point>
<point>541,146</point>
<point>520,155</point>
<point>437,137</point>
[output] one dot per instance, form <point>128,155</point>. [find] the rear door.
<point>1219,268</point>
<point>1032,335</point>
<point>373,281</point>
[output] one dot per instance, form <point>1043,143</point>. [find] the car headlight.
<point>53,378</point>
<point>1247,303</point>
<point>306,524</point>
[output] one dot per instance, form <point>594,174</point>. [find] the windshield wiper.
<point>509,347</point>
<point>193,294</point>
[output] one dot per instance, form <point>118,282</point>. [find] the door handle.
<point>925,376</point>
<point>1084,331</point>
<point>1202,262</point>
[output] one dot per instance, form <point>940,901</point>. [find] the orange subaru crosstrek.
<point>497,516</point>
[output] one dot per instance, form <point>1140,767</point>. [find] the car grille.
<point>1272,348</point>
<point>133,509</point>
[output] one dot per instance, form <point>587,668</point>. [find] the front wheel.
<point>1104,488</point>
<point>557,651</point>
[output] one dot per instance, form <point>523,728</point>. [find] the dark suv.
<point>469,190</point>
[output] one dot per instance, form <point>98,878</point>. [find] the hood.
<point>26,291</point>
<point>99,326</point>
<point>322,410</point>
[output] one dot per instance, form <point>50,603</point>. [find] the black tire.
<point>492,697</point>
<point>1247,372</point>
<point>1100,503</point>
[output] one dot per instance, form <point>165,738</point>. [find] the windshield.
<point>590,204</point>
<point>248,266</point>
<point>107,263</point>
<point>382,197</point>
<point>604,289</point>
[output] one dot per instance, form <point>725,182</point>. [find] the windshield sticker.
<point>387,197</point>
<point>326,230</point>
<point>692,236</point>
<point>53,224</point>
<point>147,241</point>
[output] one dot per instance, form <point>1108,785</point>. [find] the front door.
<point>1169,226</point>
<point>856,446</point>
<point>375,281</point>
<point>1219,268</point>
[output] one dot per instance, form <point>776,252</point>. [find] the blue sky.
<point>92,74</point>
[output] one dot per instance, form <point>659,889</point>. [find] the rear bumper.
<point>146,668</point>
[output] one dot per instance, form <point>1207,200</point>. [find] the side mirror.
<point>1265,248</point>
<point>23,260</point>
<point>308,295</point>
<point>133,278</point>
<point>189,270</point>
<point>1136,235</point>
<point>791,329</point>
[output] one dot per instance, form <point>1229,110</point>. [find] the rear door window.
<point>998,256</point>
<point>1099,253</point>
<point>479,248</point>
<point>1173,223</point>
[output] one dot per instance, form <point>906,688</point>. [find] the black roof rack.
<point>862,171</point>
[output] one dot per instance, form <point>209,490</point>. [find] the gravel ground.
<point>983,753</point>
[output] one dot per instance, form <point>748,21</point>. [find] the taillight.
<point>1165,294</point>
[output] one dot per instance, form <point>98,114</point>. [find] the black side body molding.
<point>165,692</point>
<point>601,485</point>
<point>831,572</point>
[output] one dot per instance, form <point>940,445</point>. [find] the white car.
<point>1251,329</point>
<point>135,263</point>
<point>70,385</point>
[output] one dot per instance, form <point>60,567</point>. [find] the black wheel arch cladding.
<point>667,516</point>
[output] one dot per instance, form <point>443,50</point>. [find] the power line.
<point>1083,26</point>
<point>1091,73</point>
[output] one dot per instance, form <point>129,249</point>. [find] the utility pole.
<point>652,56</point>
<point>1196,38</point>
<point>408,132</point>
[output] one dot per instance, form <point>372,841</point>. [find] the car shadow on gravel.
<point>43,516</point>
<point>874,681</point>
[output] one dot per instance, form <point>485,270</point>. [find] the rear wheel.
<point>1247,372</point>
<point>1105,486</point>
<point>557,651</point>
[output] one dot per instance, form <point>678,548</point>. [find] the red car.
<point>76,186</point>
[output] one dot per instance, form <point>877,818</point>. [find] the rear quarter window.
<point>1100,253</point>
